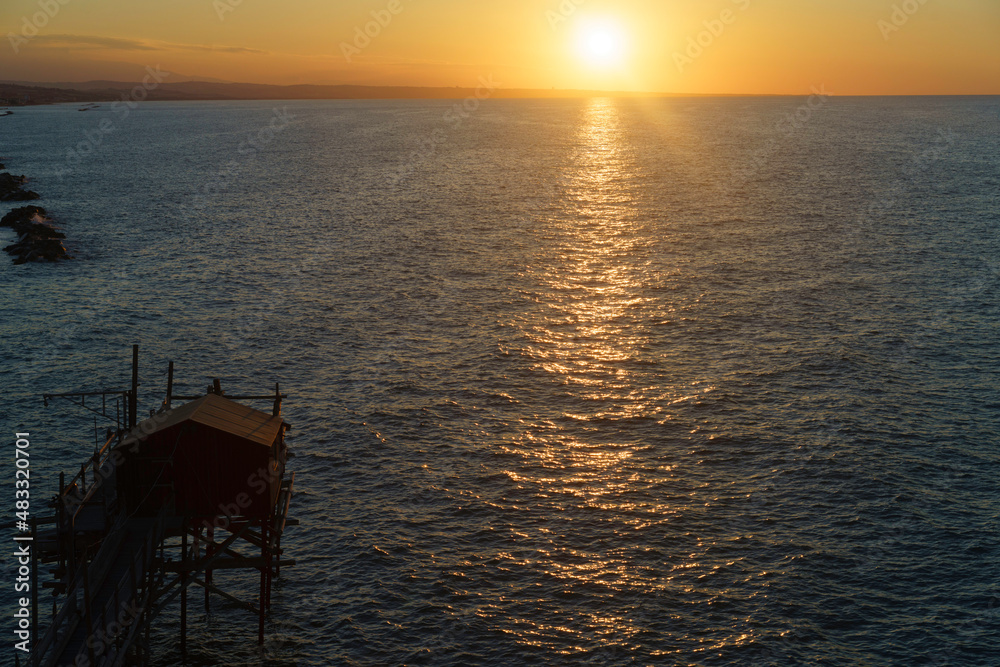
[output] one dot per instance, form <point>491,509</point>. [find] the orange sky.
<point>681,46</point>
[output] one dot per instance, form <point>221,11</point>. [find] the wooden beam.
<point>202,564</point>
<point>218,591</point>
<point>265,397</point>
<point>254,563</point>
<point>250,537</point>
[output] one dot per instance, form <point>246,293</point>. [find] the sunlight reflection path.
<point>589,345</point>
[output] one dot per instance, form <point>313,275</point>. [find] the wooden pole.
<point>267,566</point>
<point>149,586</point>
<point>277,563</point>
<point>277,400</point>
<point>170,386</point>
<point>209,552</point>
<point>60,519</point>
<point>133,408</point>
<point>148,553</point>
<point>217,386</point>
<point>184,592</point>
<point>270,553</point>
<point>262,604</point>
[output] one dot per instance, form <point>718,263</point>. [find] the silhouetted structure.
<point>163,504</point>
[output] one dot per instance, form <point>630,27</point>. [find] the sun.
<point>601,42</point>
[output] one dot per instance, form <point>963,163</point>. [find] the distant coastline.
<point>32,93</point>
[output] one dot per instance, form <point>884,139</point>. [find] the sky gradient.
<point>853,47</point>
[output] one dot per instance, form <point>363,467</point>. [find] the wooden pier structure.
<point>158,508</point>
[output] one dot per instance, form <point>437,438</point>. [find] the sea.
<point>681,381</point>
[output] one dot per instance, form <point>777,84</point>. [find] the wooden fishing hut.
<point>165,503</point>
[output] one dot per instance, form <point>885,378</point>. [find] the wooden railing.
<point>85,588</point>
<point>77,494</point>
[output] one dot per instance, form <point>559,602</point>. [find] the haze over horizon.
<point>912,47</point>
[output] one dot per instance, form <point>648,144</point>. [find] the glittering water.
<point>676,382</point>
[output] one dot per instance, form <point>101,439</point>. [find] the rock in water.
<point>21,195</point>
<point>25,215</point>
<point>37,240</point>
<point>11,190</point>
<point>37,250</point>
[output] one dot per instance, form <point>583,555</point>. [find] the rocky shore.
<point>37,239</point>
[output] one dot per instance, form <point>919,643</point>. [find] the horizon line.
<point>499,91</point>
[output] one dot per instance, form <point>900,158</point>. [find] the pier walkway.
<point>99,618</point>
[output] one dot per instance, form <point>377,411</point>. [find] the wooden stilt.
<point>184,595</point>
<point>150,552</point>
<point>277,562</point>
<point>266,598</point>
<point>209,551</point>
<point>271,558</point>
<point>133,409</point>
<point>270,579</point>
<point>263,583</point>
<point>170,386</point>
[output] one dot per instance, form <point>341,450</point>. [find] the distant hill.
<point>19,95</point>
<point>102,84</point>
<point>26,93</point>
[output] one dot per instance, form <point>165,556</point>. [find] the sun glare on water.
<point>601,43</point>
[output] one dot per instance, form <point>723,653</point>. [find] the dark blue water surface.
<point>671,382</point>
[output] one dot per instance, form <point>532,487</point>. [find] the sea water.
<point>706,381</point>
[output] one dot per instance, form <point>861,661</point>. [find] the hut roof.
<point>219,413</point>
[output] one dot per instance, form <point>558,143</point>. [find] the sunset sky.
<point>746,46</point>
